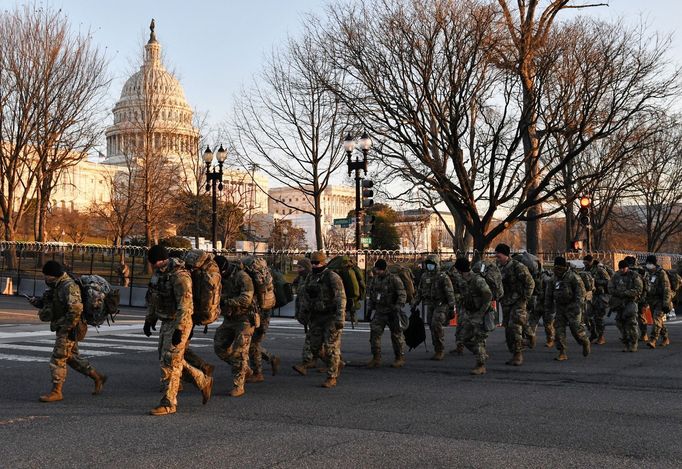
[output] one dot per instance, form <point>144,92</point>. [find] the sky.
<point>216,46</point>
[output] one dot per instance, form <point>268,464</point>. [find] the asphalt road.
<point>612,409</point>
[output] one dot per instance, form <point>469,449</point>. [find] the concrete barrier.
<point>6,286</point>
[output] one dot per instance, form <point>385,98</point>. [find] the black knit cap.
<point>651,259</point>
<point>53,269</point>
<point>623,264</point>
<point>559,261</point>
<point>221,261</point>
<point>462,264</point>
<point>380,264</point>
<point>157,253</point>
<point>588,258</point>
<point>503,249</point>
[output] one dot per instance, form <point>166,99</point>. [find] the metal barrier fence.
<point>21,263</point>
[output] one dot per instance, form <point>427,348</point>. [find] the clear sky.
<point>215,46</point>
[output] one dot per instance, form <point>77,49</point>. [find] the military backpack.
<point>405,275</point>
<point>588,280</point>
<point>100,301</point>
<point>206,290</point>
<point>284,292</point>
<point>258,270</point>
<point>492,276</point>
<point>351,276</point>
<point>675,280</point>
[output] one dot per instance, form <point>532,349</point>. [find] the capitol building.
<point>152,116</point>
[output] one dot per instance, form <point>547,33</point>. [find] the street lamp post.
<point>214,183</point>
<point>365,143</point>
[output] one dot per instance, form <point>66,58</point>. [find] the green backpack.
<point>353,281</point>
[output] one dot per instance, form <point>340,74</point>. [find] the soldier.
<point>539,312</point>
<point>387,297</point>
<point>518,289</point>
<point>258,353</point>
<point>565,294</point>
<point>436,291</point>
<point>233,337</point>
<point>475,304</point>
<point>625,288</point>
<point>323,301</point>
<point>62,306</point>
<point>600,299</point>
<point>304,268</point>
<point>659,299</point>
<point>641,303</point>
<point>123,272</point>
<point>170,300</point>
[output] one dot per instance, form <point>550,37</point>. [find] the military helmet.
<point>433,259</point>
<point>305,264</point>
<point>195,258</point>
<point>318,257</point>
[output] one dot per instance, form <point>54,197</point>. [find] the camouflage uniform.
<point>641,303</point>
<point>436,291</point>
<point>233,337</point>
<point>387,297</point>
<point>61,305</point>
<point>625,290</point>
<point>307,354</point>
<point>475,303</point>
<point>565,295</point>
<point>257,352</point>
<point>540,312</point>
<point>659,299</point>
<point>518,290</point>
<point>323,301</point>
<point>599,302</point>
<point>170,300</point>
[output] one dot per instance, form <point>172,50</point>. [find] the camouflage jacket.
<point>435,289</point>
<point>517,281</point>
<point>624,288</point>
<point>298,314</point>
<point>237,297</point>
<point>322,294</point>
<point>62,305</point>
<point>475,301</point>
<point>565,293</point>
<point>658,295</point>
<point>169,296</point>
<point>386,294</point>
<point>601,279</point>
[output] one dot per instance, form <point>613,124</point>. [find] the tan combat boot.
<point>301,369</point>
<point>666,342</point>
<point>587,348</point>
<point>208,369</point>
<point>99,381</point>
<point>562,357</point>
<point>632,347</point>
<point>162,409</point>
<point>517,359</point>
<point>438,356</point>
<point>207,390</point>
<point>256,378</point>
<point>275,361</point>
<point>644,338</point>
<point>651,344</point>
<point>549,343</point>
<point>54,395</point>
<point>375,362</point>
<point>329,383</point>
<point>237,391</point>
<point>399,362</point>
<point>532,341</point>
<point>479,370</point>
<point>601,340</point>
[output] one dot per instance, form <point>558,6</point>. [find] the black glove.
<point>147,328</point>
<point>73,333</point>
<point>177,337</point>
<point>413,309</point>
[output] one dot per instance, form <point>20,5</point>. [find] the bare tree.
<point>289,125</point>
<point>339,239</point>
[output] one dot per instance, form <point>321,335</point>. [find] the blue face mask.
<point>430,267</point>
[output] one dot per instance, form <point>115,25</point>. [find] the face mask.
<point>559,271</point>
<point>650,266</point>
<point>430,267</point>
<point>51,283</point>
<point>318,269</point>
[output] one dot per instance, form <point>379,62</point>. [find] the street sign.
<point>366,241</point>
<point>344,222</point>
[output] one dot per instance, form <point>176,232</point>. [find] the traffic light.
<point>584,212</point>
<point>367,193</point>
<point>368,224</point>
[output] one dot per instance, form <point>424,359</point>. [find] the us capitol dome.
<point>153,106</point>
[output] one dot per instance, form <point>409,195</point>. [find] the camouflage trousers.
<point>641,320</point>
<point>438,319</point>
<point>325,343</point>
<point>351,312</point>
<point>658,329</point>
<point>65,352</point>
<point>231,343</point>
<point>627,323</point>
<point>514,320</point>
<point>571,317</point>
<point>376,330</point>
<point>472,334</point>
<point>535,313</point>
<point>193,359</point>
<point>172,358</point>
<point>596,311</point>
<point>258,353</point>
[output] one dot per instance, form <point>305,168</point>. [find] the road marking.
<point>23,358</point>
<point>139,348</point>
<point>35,348</point>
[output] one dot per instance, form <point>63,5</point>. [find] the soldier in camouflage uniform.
<point>539,312</point>
<point>232,339</point>
<point>323,300</point>
<point>437,293</point>
<point>565,295</point>
<point>170,300</point>
<point>304,268</point>
<point>62,306</point>
<point>387,297</point>
<point>641,303</point>
<point>475,303</point>
<point>518,290</point>
<point>625,288</point>
<point>659,299</point>
<point>600,299</point>
<point>258,353</point>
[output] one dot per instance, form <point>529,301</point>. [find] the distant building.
<point>424,230</point>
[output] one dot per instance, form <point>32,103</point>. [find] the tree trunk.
<point>532,151</point>
<point>318,222</point>
<point>570,234</point>
<point>11,253</point>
